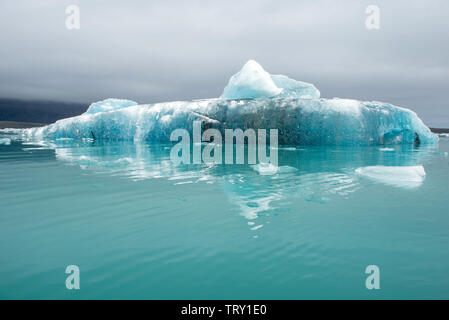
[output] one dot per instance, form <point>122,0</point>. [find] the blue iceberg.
<point>252,99</point>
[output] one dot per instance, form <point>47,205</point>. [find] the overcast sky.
<point>153,51</point>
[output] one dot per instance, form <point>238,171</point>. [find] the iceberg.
<point>252,99</point>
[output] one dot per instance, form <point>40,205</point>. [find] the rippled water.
<point>140,227</point>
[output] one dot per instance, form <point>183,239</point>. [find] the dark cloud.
<point>169,50</point>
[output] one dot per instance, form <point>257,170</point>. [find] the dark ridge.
<point>19,125</point>
<point>40,112</point>
<point>439,130</point>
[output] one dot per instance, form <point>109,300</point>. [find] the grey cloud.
<point>170,50</point>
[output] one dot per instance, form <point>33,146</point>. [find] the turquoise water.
<point>139,227</point>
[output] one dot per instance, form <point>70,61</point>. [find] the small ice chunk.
<point>109,105</point>
<point>5,141</point>
<point>399,176</point>
<point>257,227</point>
<point>266,168</point>
<point>251,82</point>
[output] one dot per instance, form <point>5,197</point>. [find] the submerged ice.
<point>252,99</point>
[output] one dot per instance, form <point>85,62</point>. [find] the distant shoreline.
<point>22,125</point>
<point>440,130</point>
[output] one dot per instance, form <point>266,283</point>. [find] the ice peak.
<point>253,66</point>
<point>251,82</point>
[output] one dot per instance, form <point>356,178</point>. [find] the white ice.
<point>399,176</point>
<point>5,141</point>
<point>266,168</point>
<point>251,82</point>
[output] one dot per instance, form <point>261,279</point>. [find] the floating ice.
<point>299,121</point>
<point>266,168</point>
<point>5,141</point>
<point>406,176</point>
<point>109,105</point>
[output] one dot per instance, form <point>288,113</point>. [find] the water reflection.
<point>316,174</point>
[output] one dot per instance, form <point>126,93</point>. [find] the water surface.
<point>140,227</point>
